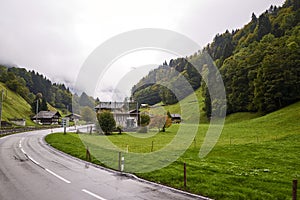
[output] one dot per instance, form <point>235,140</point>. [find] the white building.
<point>126,114</point>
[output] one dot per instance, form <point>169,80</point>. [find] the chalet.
<point>73,117</point>
<point>124,113</point>
<point>127,119</point>
<point>47,117</point>
<point>176,118</point>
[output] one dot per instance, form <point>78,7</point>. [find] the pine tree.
<point>264,26</point>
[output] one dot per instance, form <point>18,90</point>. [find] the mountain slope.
<point>29,83</point>
<point>259,65</point>
<point>14,106</point>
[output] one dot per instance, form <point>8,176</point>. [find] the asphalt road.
<point>30,169</point>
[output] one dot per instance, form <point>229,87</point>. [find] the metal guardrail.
<point>8,131</point>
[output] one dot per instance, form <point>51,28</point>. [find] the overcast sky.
<point>55,37</point>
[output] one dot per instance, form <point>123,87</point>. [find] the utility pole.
<point>1,102</point>
<point>137,114</point>
<point>37,110</point>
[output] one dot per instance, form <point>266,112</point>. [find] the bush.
<point>106,121</point>
<point>145,120</point>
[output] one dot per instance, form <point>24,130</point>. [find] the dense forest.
<point>259,64</point>
<point>31,85</point>
<point>36,88</point>
<point>159,83</point>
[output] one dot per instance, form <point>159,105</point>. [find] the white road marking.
<point>92,194</point>
<point>20,143</point>
<point>33,160</point>
<point>23,150</point>
<point>37,163</point>
<point>57,176</point>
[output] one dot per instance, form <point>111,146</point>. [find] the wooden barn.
<point>47,117</point>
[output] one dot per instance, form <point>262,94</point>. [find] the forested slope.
<point>259,64</point>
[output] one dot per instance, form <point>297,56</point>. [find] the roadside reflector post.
<point>184,175</point>
<point>295,183</point>
<point>122,164</point>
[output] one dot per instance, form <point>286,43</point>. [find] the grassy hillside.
<point>255,157</point>
<point>14,106</point>
<point>188,104</point>
<point>273,126</point>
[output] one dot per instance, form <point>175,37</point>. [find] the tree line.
<point>40,92</point>
<point>259,65</point>
<point>32,86</point>
<point>261,71</point>
<point>169,83</point>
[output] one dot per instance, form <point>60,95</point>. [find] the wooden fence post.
<point>184,175</point>
<point>88,155</point>
<point>152,146</point>
<point>295,183</point>
<point>120,161</point>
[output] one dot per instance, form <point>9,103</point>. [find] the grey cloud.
<point>39,35</point>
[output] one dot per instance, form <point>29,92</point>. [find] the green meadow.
<point>256,157</point>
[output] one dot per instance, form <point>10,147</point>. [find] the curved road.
<point>30,169</point>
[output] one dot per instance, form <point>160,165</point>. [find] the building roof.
<point>134,111</point>
<point>110,105</point>
<point>175,116</point>
<point>46,114</point>
<point>74,115</point>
